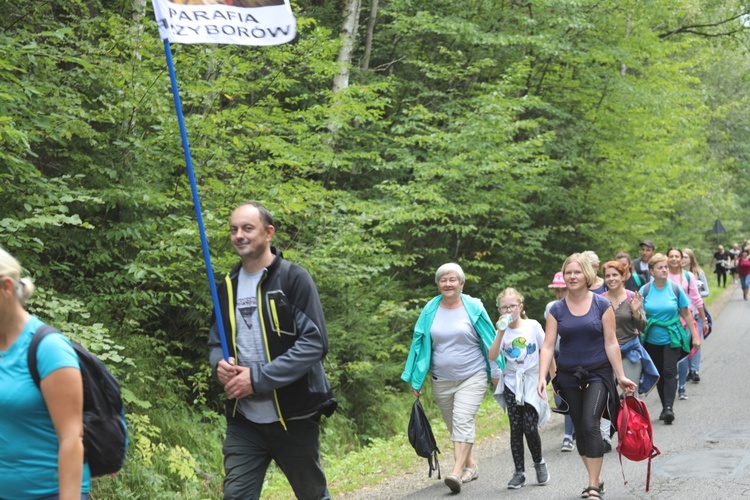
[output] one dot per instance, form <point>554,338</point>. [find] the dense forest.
<point>389,138</point>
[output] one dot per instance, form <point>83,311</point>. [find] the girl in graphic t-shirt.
<point>519,343</point>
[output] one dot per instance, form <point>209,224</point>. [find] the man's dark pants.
<point>250,447</point>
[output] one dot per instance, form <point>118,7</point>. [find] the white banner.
<point>235,22</point>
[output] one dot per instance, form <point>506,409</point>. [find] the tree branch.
<point>693,28</point>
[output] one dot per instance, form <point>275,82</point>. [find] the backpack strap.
<point>675,289</point>
<point>622,425</point>
<point>637,279</point>
<point>39,334</point>
<point>687,276</point>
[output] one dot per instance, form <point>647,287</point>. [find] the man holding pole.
<point>274,378</point>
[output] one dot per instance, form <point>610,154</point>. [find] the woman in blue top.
<point>41,445</point>
<point>451,339</point>
<point>589,355</point>
<point>664,337</point>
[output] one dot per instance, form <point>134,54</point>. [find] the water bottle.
<point>504,321</point>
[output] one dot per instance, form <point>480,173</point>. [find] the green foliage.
<point>171,455</point>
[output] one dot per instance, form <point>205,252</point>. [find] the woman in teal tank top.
<point>41,455</point>
<point>664,337</point>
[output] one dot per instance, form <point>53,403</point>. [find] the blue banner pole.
<point>196,200</point>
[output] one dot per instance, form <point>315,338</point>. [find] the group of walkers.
<point>735,262</point>
<point>638,326</point>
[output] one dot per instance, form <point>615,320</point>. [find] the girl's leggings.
<point>524,421</point>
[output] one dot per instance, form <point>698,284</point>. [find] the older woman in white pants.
<point>451,340</point>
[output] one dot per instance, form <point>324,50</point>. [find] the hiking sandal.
<point>470,474</point>
<point>591,492</point>
<point>453,481</point>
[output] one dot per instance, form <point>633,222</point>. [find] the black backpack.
<point>421,437</point>
<point>105,435</point>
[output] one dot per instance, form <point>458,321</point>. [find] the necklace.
<point>618,299</point>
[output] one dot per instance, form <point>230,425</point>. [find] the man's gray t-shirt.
<point>643,268</point>
<point>456,349</point>
<point>258,408</point>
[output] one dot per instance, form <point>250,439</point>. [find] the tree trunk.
<point>370,32</point>
<point>139,10</point>
<point>348,36</point>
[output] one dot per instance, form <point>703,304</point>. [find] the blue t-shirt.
<point>28,442</point>
<point>663,305</point>
<point>581,338</point>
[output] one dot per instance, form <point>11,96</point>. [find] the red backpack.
<point>635,437</point>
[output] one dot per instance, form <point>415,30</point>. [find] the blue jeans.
<point>687,363</point>
<point>250,447</point>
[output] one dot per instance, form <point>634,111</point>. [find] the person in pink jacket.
<point>689,283</point>
<point>743,269</point>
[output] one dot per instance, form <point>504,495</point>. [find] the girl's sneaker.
<point>517,481</point>
<point>542,473</point>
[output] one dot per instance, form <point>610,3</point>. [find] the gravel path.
<point>416,479</point>
<point>495,449</point>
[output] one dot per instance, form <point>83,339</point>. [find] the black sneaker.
<point>661,415</point>
<point>668,415</point>
<point>517,481</point>
<point>696,377</point>
<point>690,375</point>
